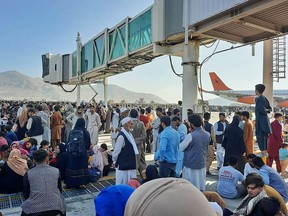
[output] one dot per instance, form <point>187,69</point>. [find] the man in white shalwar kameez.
<point>195,147</point>
<point>124,154</point>
<point>93,124</point>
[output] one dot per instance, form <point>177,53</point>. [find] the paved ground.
<point>83,205</point>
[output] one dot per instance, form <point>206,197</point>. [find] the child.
<point>45,145</point>
<point>107,159</point>
<point>30,146</point>
<point>283,156</point>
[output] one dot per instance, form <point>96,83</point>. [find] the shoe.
<point>208,173</point>
<point>148,151</point>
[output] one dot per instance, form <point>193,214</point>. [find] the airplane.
<point>280,97</point>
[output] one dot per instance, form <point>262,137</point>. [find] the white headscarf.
<point>97,160</point>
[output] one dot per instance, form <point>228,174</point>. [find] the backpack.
<point>76,146</point>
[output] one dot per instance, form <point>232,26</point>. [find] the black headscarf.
<point>151,173</point>
<point>80,124</point>
<point>62,148</point>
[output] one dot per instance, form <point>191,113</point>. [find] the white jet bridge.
<point>171,27</point>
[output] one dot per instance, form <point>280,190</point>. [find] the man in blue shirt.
<point>167,153</point>
<point>182,130</point>
<point>230,180</point>
<point>271,177</point>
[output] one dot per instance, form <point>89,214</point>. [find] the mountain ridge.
<point>34,88</point>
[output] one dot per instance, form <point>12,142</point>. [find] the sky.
<point>32,28</point>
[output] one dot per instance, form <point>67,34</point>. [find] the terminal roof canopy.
<point>241,21</point>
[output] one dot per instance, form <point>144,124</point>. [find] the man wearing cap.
<point>262,127</point>
<point>219,128</point>
<point>124,154</point>
<point>124,112</point>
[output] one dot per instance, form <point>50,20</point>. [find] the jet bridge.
<point>169,27</point>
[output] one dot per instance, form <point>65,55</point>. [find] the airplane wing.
<point>234,96</point>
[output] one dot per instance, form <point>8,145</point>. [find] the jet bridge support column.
<point>268,70</point>
<point>105,83</point>
<point>190,63</point>
<point>79,47</point>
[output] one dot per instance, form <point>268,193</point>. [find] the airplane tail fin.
<point>217,83</point>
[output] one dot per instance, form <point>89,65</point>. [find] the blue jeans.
<point>167,169</point>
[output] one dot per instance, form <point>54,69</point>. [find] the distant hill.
<point>17,86</point>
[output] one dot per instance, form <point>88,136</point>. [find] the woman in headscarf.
<point>151,173</point>
<point>111,201</point>
<point>233,143</point>
<point>21,124</point>
<point>97,160</point>
<point>46,109</point>
<point>60,159</point>
<point>134,183</point>
<point>16,145</point>
<point>69,109</point>
<point>77,167</point>
<point>169,197</point>
<point>12,172</point>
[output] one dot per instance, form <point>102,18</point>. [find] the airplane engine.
<point>246,99</point>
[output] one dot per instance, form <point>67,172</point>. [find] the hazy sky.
<point>32,28</point>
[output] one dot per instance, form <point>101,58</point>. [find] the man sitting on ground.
<point>229,178</point>
<point>271,177</point>
<point>249,166</point>
<point>256,192</point>
<point>42,188</point>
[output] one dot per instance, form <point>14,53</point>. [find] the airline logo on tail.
<point>217,83</point>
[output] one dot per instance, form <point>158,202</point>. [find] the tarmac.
<point>82,202</point>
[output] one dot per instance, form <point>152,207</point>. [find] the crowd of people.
<point>60,142</point>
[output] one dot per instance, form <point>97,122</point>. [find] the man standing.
<point>167,153</point>
<point>149,129</point>
<point>212,144</point>
<point>42,188</point>
<point>195,147</point>
<point>124,154</point>
<point>248,133</point>
<point>47,132</point>
<point>34,125</point>
<point>274,142</point>
<point>219,128</point>
<point>263,128</point>
<point>271,177</point>
<point>155,125</point>
<point>115,119</point>
<point>139,135</point>
<point>182,130</point>
<point>93,124</point>
<point>72,118</point>
<point>56,127</point>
